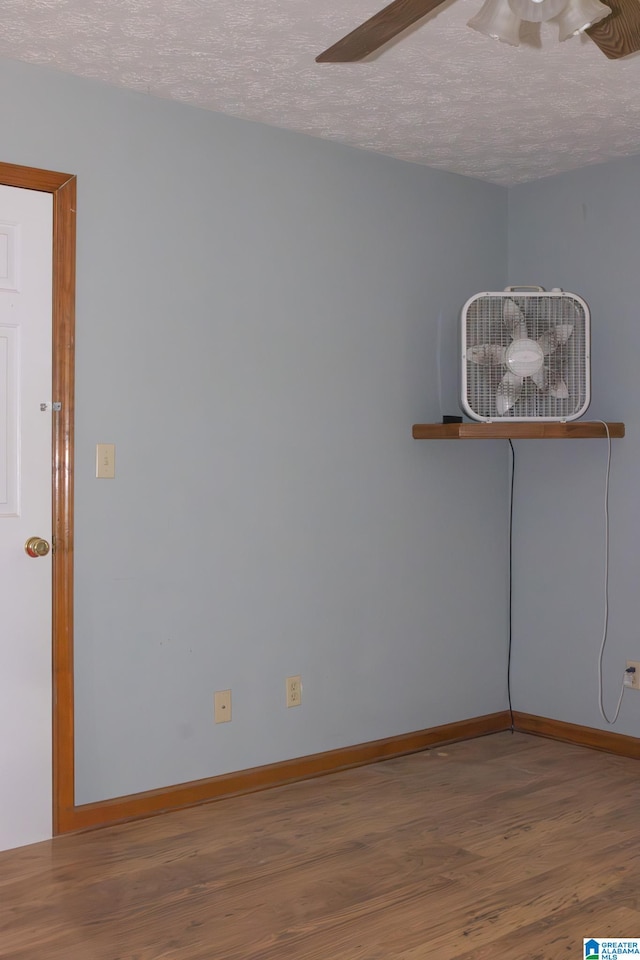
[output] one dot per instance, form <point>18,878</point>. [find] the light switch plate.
<point>105,461</point>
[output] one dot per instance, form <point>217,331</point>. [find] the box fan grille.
<point>525,356</point>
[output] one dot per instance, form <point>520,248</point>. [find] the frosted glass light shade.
<point>496,19</point>
<point>536,11</point>
<point>580,14</point>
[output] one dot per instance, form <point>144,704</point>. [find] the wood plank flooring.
<point>509,846</point>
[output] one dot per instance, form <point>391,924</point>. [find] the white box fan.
<point>525,355</point>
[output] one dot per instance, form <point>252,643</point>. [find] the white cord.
<point>606,590</point>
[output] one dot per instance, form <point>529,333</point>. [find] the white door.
<point>26,243</point>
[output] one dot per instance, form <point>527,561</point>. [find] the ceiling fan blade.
<point>619,34</point>
<point>378,30</point>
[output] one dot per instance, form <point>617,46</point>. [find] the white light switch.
<point>106,461</point>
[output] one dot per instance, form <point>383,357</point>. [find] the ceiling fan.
<point>614,28</point>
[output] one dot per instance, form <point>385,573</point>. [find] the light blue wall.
<point>581,231</point>
<point>258,320</point>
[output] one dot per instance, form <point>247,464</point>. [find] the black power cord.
<point>513,473</point>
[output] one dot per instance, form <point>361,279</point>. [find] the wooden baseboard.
<point>152,802</point>
<point>618,743</point>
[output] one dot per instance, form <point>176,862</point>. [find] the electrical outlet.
<point>294,691</point>
<point>633,677</point>
<point>222,706</point>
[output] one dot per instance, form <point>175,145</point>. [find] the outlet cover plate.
<point>635,677</point>
<point>222,706</point>
<point>294,691</point>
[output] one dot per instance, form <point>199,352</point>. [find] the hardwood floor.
<point>509,846</point>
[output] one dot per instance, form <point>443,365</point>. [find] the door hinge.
<point>54,405</point>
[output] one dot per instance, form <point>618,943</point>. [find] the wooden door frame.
<point>62,187</point>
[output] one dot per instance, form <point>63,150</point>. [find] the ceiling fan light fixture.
<point>497,20</point>
<point>537,11</point>
<point>579,15</point>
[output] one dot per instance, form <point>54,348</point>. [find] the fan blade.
<point>485,353</point>
<point>559,390</point>
<point>509,389</point>
<point>514,320</point>
<point>618,35</point>
<point>541,379</point>
<point>552,339</point>
<point>375,32</point>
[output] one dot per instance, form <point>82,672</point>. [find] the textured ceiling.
<point>441,95</point>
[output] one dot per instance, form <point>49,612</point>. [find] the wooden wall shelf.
<point>501,430</point>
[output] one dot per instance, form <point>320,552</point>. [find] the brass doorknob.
<point>36,547</point>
